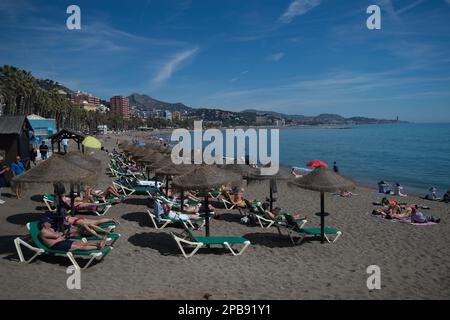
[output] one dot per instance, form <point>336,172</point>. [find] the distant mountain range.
<point>322,118</point>
<point>147,103</point>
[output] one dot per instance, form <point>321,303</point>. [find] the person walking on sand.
<point>3,170</point>
<point>18,168</point>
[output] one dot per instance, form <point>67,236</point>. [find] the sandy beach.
<point>147,264</point>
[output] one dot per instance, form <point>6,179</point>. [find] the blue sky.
<point>293,56</point>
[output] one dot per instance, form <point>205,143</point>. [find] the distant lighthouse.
<point>397,118</point>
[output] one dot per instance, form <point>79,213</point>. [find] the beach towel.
<point>408,221</point>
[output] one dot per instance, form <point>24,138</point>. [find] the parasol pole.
<point>182,200</point>
<point>167,186</point>
<point>206,215</point>
<point>322,217</point>
<point>271,195</point>
<point>72,200</point>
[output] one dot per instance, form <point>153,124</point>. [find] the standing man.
<point>43,149</point>
<point>335,167</point>
<point>65,143</point>
<point>18,168</point>
<point>3,170</point>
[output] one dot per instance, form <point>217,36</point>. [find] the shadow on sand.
<point>23,218</point>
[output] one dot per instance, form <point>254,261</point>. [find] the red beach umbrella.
<point>317,163</point>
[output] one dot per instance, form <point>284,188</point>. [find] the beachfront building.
<point>85,98</point>
<point>168,115</point>
<point>261,119</point>
<point>120,105</point>
<point>15,134</point>
<point>176,116</point>
<point>42,127</point>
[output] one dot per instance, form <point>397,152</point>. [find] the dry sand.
<point>147,264</point>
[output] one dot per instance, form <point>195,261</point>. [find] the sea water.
<point>415,155</point>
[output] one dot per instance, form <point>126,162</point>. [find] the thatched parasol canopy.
<point>240,169</point>
<point>132,148</point>
<point>56,169</point>
<point>324,180</point>
<point>205,177</point>
<point>153,158</point>
<point>84,161</point>
<point>124,144</point>
<point>282,174</point>
<point>139,152</point>
<point>172,169</point>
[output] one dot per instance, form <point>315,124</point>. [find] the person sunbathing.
<point>275,214</point>
<point>109,191</point>
<point>172,214</point>
<point>419,217</point>
<point>80,226</point>
<point>346,194</point>
<point>57,241</point>
<point>446,197</point>
<point>80,205</point>
<point>295,174</point>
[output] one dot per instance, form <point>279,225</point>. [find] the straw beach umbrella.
<point>323,180</point>
<point>153,161</point>
<point>256,175</point>
<point>204,178</point>
<point>172,169</point>
<point>83,160</point>
<point>57,169</point>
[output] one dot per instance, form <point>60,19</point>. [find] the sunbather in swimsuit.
<point>275,214</point>
<point>178,215</point>
<point>56,240</point>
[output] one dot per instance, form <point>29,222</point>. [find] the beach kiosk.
<point>57,138</point>
<point>15,134</point>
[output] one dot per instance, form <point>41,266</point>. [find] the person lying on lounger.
<point>87,227</point>
<point>80,205</point>
<point>178,215</point>
<point>109,191</point>
<point>56,240</point>
<point>275,213</point>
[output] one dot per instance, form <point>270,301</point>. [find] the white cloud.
<point>276,56</point>
<point>298,8</point>
<point>173,65</point>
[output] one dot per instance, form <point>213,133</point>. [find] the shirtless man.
<point>56,240</point>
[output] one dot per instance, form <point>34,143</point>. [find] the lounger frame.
<point>197,245</point>
<point>18,242</point>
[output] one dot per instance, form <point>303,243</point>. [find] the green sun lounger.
<point>199,241</point>
<point>266,221</point>
<point>40,248</point>
<point>294,229</point>
<point>128,189</point>
<point>50,199</point>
